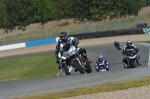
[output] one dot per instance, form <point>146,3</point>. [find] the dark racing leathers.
<point>102,62</point>
<point>116,44</point>
<point>125,51</point>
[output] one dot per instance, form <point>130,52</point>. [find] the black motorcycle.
<point>117,45</point>
<point>72,58</point>
<point>132,58</point>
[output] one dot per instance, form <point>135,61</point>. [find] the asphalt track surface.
<point>9,89</point>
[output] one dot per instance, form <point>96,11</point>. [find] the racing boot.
<point>107,68</point>
<point>59,67</point>
<point>139,64</point>
<point>89,60</point>
<point>83,53</point>
<point>125,65</point>
<point>139,61</point>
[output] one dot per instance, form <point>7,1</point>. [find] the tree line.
<point>24,12</point>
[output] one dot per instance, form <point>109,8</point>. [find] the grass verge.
<point>107,87</point>
<point>28,67</point>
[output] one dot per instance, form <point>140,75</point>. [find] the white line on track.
<point>59,73</point>
<point>148,45</point>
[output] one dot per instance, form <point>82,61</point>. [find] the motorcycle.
<point>132,58</point>
<point>72,58</point>
<point>117,45</point>
<point>101,67</point>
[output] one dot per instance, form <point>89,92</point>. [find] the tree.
<point>3,14</point>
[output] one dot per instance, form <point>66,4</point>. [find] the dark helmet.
<point>63,36</point>
<point>100,57</point>
<point>129,43</point>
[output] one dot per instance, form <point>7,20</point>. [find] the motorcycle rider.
<point>64,38</point>
<point>57,52</point>
<point>100,61</point>
<point>116,43</point>
<point>129,45</point>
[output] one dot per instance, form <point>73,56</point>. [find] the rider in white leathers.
<point>64,38</point>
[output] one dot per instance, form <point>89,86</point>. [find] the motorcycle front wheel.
<point>135,64</point>
<point>78,66</point>
<point>66,69</point>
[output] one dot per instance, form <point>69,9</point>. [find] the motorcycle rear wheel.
<point>88,66</point>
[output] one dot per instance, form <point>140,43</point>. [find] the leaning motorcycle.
<point>132,58</point>
<point>76,60</point>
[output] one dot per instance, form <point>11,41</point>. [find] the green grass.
<point>148,42</point>
<point>107,87</point>
<point>28,67</point>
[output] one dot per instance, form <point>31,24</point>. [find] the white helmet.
<point>129,43</point>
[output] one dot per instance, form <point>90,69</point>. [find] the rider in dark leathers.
<point>64,38</point>
<point>100,61</point>
<point>116,43</point>
<point>129,45</point>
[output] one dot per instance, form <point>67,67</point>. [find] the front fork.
<point>81,63</point>
<point>61,62</point>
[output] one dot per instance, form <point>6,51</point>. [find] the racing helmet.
<point>129,43</point>
<point>100,57</point>
<point>63,36</point>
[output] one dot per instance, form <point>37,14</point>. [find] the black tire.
<point>133,65</point>
<point>107,69</point>
<point>129,64</point>
<point>66,69</point>
<point>78,66</point>
<point>119,48</point>
<point>88,66</point>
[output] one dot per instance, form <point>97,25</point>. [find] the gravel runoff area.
<point>132,93</point>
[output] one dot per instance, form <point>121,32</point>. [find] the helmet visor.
<point>128,44</point>
<point>62,38</point>
<point>101,59</point>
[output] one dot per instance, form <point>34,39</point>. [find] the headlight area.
<point>133,57</point>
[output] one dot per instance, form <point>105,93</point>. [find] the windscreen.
<point>66,47</point>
